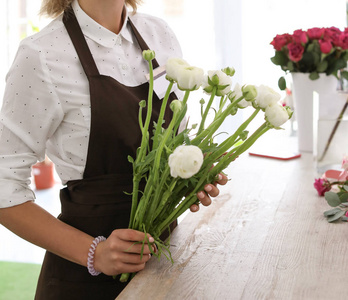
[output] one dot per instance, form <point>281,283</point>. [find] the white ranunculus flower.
<point>217,78</point>
<point>237,93</point>
<point>185,161</point>
<point>174,65</point>
<point>189,78</point>
<point>266,96</point>
<point>276,114</point>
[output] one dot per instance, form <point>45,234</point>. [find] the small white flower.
<point>173,66</point>
<point>276,114</point>
<point>219,79</point>
<point>266,96</point>
<point>237,93</point>
<point>185,161</point>
<point>189,78</point>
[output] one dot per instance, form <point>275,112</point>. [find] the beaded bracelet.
<point>90,260</point>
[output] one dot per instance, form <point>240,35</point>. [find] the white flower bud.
<point>276,114</point>
<point>237,93</point>
<point>149,55</point>
<point>176,106</point>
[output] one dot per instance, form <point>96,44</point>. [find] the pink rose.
<point>315,33</point>
<point>299,36</point>
<point>332,34</point>
<point>295,51</point>
<point>343,40</point>
<point>325,46</point>
<point>279,41</point>
<point>322,186</point>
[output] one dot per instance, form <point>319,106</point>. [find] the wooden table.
<point>264,237</point>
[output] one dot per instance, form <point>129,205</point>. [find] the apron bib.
<point>97,203</point>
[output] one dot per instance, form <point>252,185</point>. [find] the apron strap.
<point>141,42</point>
<point>79,41</point>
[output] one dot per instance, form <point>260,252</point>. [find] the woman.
<point>73,92</point>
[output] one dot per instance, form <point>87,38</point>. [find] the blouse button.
<point>124,67</point>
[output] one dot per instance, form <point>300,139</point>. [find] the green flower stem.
<point>143,147</point>
<point>250,141</point>
<point>209,174</point>
<point>140,118</point>
<point>206,111</point>
<point>186,96</point>
<point>211,129</point>
<point>222,104</point>
<point>136,181</point>
<point>124,277</point>
<point>144,140</point>
<point>229,142</point>
<point>187,202</point>
<point>183,113</point>
<point>166,195</point>
<point>154,175</point>
<point>161,115</point>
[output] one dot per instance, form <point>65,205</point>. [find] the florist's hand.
<point>210,190</point>
<point>120,253</point>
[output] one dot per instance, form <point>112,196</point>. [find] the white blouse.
<point>46,105</point>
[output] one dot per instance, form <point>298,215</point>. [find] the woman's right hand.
<point>121,253</point>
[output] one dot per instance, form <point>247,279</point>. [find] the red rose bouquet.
<point>317,50</point>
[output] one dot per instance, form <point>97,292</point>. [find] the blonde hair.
<point>53,8</point>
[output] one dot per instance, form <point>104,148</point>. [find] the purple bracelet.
<point>90,260</point>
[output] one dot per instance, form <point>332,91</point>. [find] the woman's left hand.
<point>210,190</point>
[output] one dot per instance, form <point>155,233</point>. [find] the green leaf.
<point>345,187</point>
<point>336,65</point>
<point>222,87</point>
<point>343,197</point>
<point>316,58</point>
<point>344,218</point>
<point>308,60</point>
<point>130,159</point>
<point>332,199</point>
<point>322,66</point>
<point>187,139</point>
<point>280,58</point>
<point>336,216</point>
<point>290,66</point>
<point>314,76</point>
<point>331,212</point>
<point>310,48</point>
<point>282,83</point>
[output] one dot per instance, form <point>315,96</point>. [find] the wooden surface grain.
<point>264,237</point>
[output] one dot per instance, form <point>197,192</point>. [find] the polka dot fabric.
<point>46,105</point>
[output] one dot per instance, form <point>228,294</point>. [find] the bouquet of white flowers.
<point>178,165</point>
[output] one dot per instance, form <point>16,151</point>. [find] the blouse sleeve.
<point>30,114</point>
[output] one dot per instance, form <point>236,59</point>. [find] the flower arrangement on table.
<point>335,192</point>
<point>179,164</point>
<point>314,51</point>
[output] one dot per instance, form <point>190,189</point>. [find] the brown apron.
<point>97,203</point>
